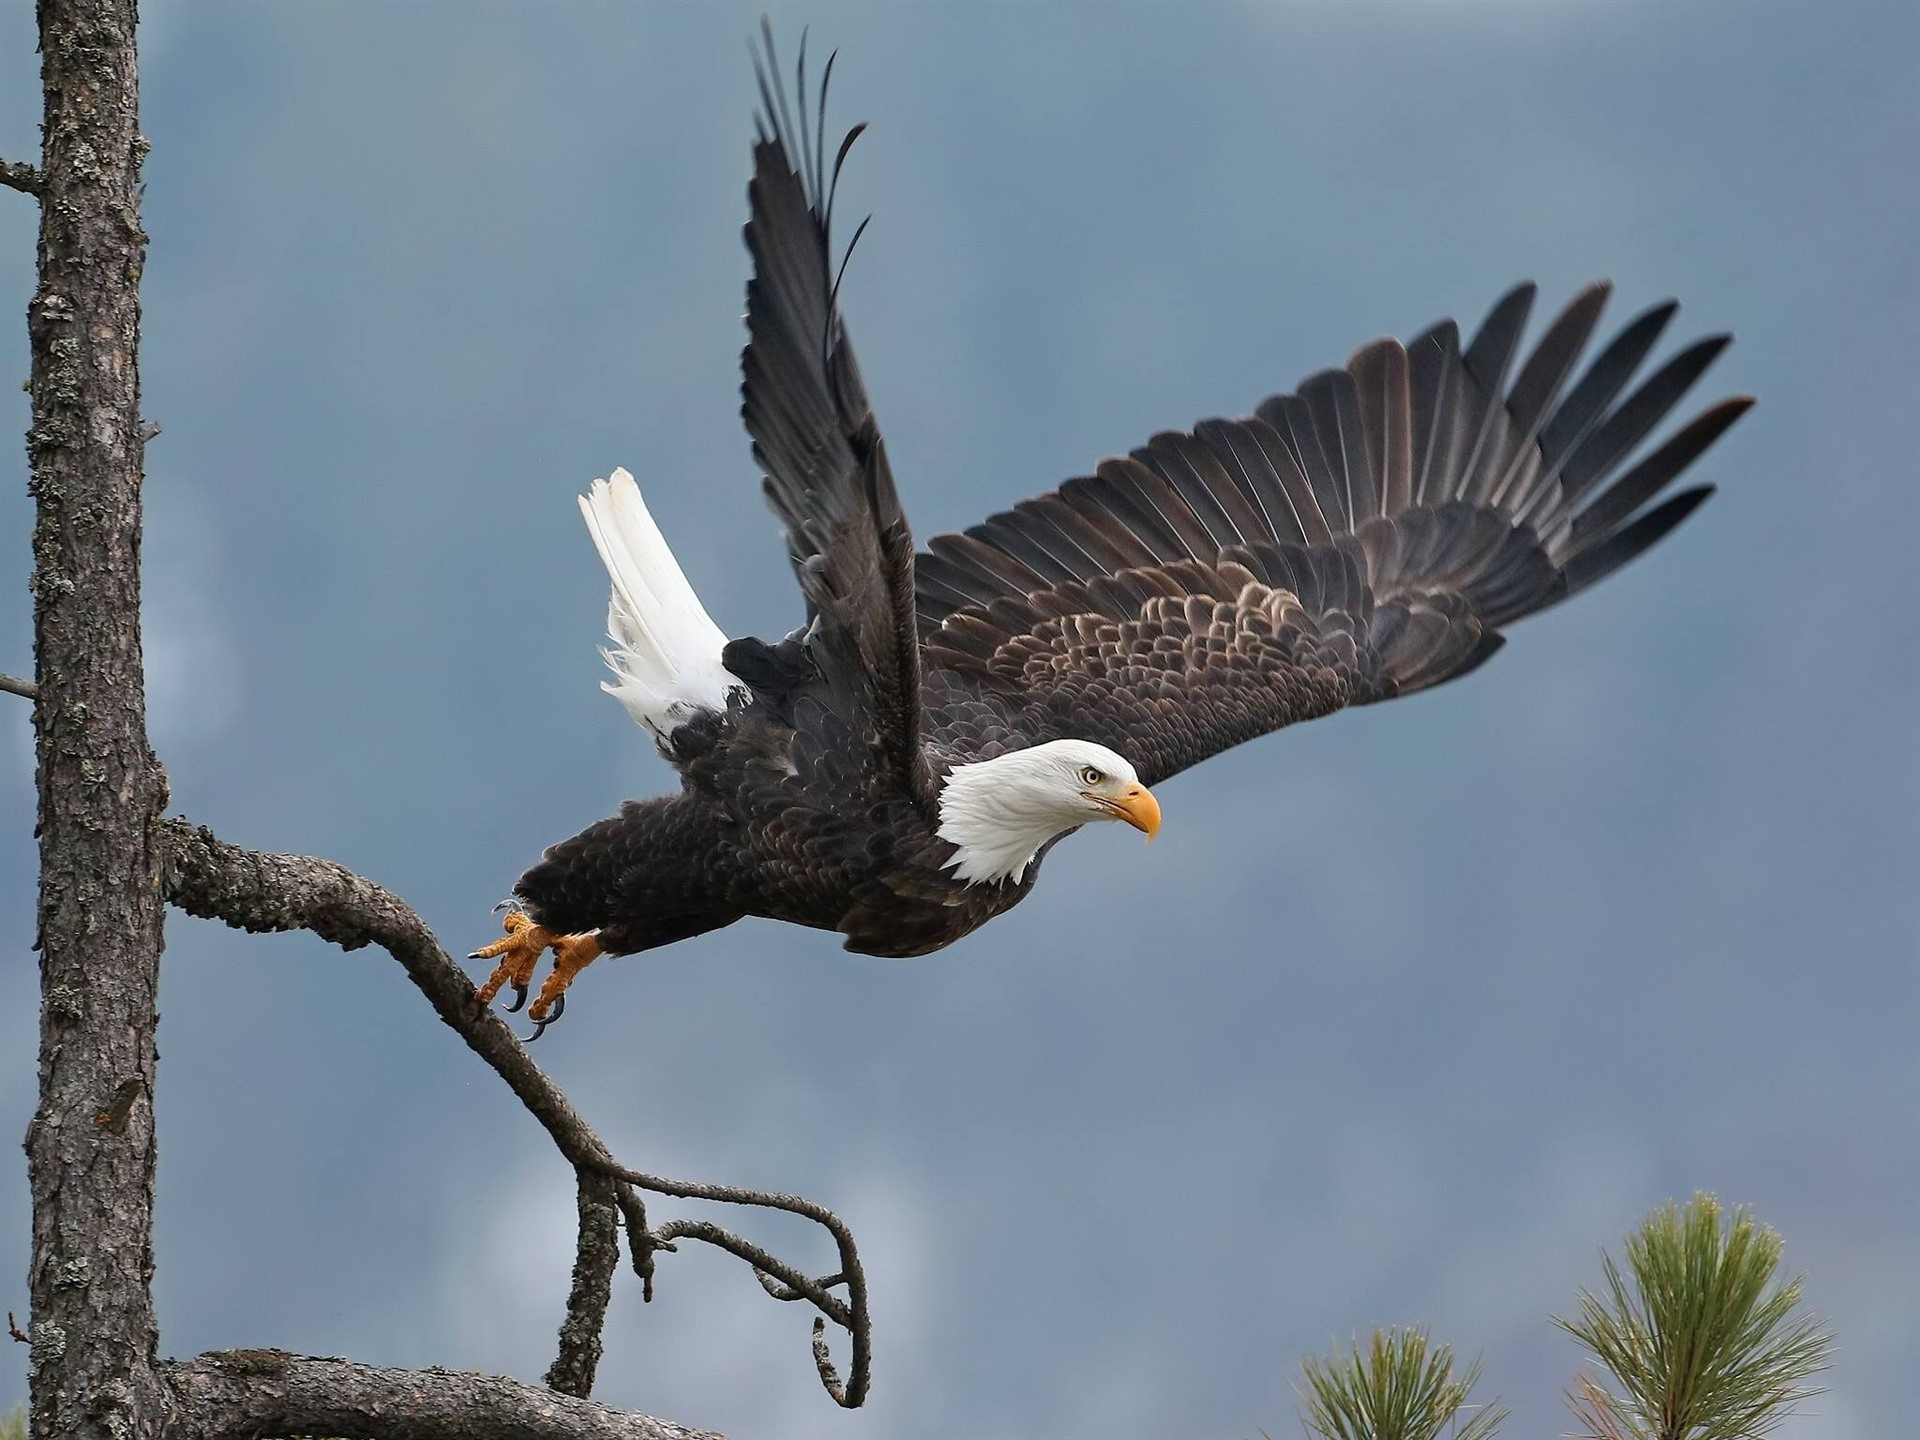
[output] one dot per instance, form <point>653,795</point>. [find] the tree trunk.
<point>90,1146</point>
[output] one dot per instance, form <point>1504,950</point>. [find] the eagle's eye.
<point>1090,776</point>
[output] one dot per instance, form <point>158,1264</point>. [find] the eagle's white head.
<point>998,813</point>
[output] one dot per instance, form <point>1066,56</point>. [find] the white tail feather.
<point>666,648</point>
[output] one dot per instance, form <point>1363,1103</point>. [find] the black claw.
<point>540,1026</point>
<point>519,998</point>
<point>475,955</point>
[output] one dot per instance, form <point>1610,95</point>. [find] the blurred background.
<point>1408,1012</point>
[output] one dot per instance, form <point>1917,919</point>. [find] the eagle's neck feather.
<point>997,816</point>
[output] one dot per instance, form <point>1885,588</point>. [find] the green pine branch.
<point>1702,1337</point>
<point>1398,1388</point>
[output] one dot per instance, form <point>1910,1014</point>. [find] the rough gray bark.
<point>244,1394</point>
<point>90,1144</point>
<point>596,1257</point>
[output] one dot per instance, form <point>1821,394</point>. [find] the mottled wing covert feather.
<point>1364,537</point>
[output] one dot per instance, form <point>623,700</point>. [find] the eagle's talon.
<point>518,953</point>
<point>540,1026</point>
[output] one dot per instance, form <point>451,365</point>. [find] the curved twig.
<point>259,892</point>
<point>783,1292</point>
<point>764,1264</point>
<point>633,1215</point>
<point>851,1316</point>
<point>823,1362</point>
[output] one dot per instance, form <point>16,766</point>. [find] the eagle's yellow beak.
<point>1137,807</point>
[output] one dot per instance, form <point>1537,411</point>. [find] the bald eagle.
<point>897,768</point>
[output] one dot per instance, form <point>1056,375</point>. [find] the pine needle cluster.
<point>1703,1338</point>
<point>1398,1388</point>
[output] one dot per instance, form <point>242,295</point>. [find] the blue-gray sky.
<point>1407,1013</point>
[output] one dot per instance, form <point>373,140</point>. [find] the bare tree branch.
<point>264,893</point>
<point>253,891</point>
<point>595,1260</point>
<point>18,175</point>
<point>25,689</point>
<point>243,1394</point>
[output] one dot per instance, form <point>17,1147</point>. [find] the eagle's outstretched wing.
<point>814,434</point>
<point>1363,538</point>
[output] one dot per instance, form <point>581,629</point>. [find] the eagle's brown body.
<point>816,845</point>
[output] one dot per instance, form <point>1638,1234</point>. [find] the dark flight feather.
<point>1362,538</point>
<point>815,437</point>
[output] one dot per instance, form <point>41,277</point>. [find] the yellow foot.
<point>519,951</point>
<point>571,955</point>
